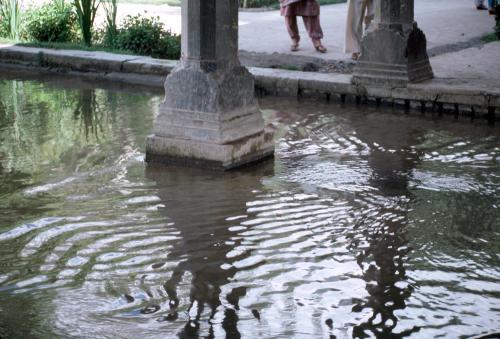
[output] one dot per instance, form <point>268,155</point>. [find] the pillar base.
<point>393,57</point>
<point>209,155</point>
<point>209,119</point>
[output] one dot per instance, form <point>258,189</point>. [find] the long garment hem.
<point>358,12</point>
<point>308,10</point>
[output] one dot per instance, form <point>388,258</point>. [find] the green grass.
<point>289,67</point>
<point>489,38</point>
<point>74,46</point>
<point>331,2</point>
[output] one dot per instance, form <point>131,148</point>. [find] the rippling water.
<point>366,224</point>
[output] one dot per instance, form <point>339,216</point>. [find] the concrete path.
<point>472,68</point>
<point>445,23</point>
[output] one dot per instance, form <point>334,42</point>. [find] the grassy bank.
<point>489,38</point>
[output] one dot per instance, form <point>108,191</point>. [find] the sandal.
<point>320,48</point>
<point>295,46</point>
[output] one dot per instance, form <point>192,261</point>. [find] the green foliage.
<point>147,36</point>
<point>111,30</point>
<point>10,19</point>
<point>489,38</point>
<point>51,22</point>
<point>60,4</point>
<point>86,11</point>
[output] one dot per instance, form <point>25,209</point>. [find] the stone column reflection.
<point>394,51</point>
<point>210,117</point>
<point>200,203</point>
<point>385,252</point>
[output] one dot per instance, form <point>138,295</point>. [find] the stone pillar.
<point>210,117</point>
<point>394,50</point>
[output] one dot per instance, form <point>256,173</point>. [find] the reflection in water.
<point>384,259</point>
<point>87,110</point>
<point>198,202</point>
<point>367,224</point>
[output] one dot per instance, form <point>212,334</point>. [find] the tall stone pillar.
<point>210,117</point>
<point>394,50</point>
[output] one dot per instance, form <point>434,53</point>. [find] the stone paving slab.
<point>148,65</point>
<point>71,59</point>
<point>85,61</point>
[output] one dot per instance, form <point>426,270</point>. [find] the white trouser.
<point>358,11</point>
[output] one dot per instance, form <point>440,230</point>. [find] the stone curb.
<point>84,61</point>
<point>152,72</point>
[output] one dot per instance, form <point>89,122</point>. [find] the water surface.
<point>368,223</point>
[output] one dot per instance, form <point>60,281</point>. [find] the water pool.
<point>368,223</point>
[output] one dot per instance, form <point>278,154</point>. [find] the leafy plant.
<point>60,4</point>
<point>111,30</point>
<point>147,36</point>
<point>86,11</point>
<point>52,22</point>
<point>10,19</point>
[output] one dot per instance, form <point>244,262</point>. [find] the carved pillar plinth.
<point>210,117</point>
<point>394,52</point>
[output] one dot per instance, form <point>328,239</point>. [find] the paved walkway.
<point>463,66</point>
<point>445,23</point>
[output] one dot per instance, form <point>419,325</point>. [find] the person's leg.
<point>354,27</point>
<point>491,6</point>
<point>369,13</point>
<point>293,31</point>
<point>313,27</point>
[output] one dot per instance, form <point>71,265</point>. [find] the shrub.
<point>86,11</point>
<point>50,23</point>
<point>111,30</point>
<point>10,19</point>
<point>147,36</point>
